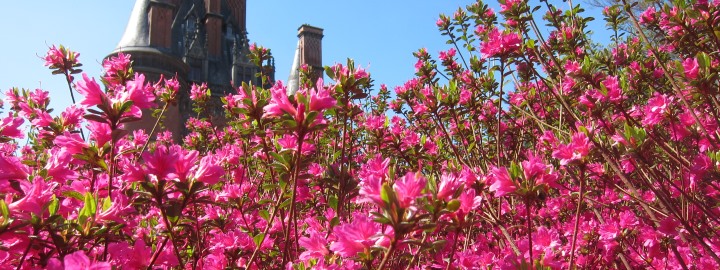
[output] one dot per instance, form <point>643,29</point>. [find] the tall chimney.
<point>237,9</point>
<point>213,26</point>
<point>160,18</point>
<point>310,45</point>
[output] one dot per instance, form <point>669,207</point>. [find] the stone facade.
<point>199,41</point>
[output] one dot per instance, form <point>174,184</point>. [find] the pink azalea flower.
<point>572,68</point>
<point>92,92</point>
<point>10,127</point>
<point>214,261</point>
<point>61,59</point>
<point>54,57</point>
<point>288,141</point>
<point>72,116</point>
<point>321,99</point>
<point>509,4</point>
<point>42,120</point>
<point>208,171</point>
<point>540,173</point>
<point>140,93</point>
<point>500,44</point>
<point>691,68</point>
<point>360,73</point>
<point>408,188</point>
<point>116,68</point>
<point>370,188</point>
<point>374,122</point>
<point>447,55</point>
<point>58,165</point>
<point>355,237</point>
<point>71,142</point>
<point>40,97</point>
<point>198,92</point>
<point>161,163</point>
<point>279,102</point>
<point>443,22</point>
<point>315,247</point>
<point>316,170</point>
<point>465,96</point>
<point>79,261</point>
<point>648,16</point>
<point>447,186</point>
<point>410,140</point>
<point>99,132</point>
<point>548,138</point>
<point>371,177</point>
<point>614,92</point>
<point>578,148</point>
<point>119,209</point>
<point>12,169</point>
<point>502,183</point>
<point>185,161</point>
<point>669,227</point>
<point>469,201</point>
<point>37,194</point>
<point>656,109</point>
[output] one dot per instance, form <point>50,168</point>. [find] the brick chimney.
<point>310,45</point>
<point>237,8</point>
<point>160,18</point>
<point>213,27</point>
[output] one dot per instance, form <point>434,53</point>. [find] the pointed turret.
<point>136,31</point>
<point>294,80</point>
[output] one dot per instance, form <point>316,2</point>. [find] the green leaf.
<point>333,202</point>
<point>628,131</point>
<point>95,118</point>
<point>703,60</point>
<point>387,193</point>
<point>53,206</point>
<point>258,239</point>
<point>453,205</point>
<point>107,203</point>
<point>334,221</point>
<point>279,158</point>
<point>264,214</point>
<point>603,90</point>
<point>531,43</point>
<point>515,170</point>
<point>90,204</point>
<point>4,209</point>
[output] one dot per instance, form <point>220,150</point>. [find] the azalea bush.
<point>513,149</point>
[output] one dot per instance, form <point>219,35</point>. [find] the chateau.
<point>201,41</point>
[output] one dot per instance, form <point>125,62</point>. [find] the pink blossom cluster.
<point>537,153</point>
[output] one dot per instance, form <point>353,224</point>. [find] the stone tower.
<point>200,41</point>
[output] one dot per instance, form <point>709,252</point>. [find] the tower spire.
<point>294,79</point>
<point>136,31</point>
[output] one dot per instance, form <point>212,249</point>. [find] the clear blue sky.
<point>378,34</point>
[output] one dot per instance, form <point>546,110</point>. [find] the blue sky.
<point>378,35</point>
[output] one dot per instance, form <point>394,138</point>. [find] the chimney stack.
<point>213,27</point>
<point>237,9</point>
<point>310,45</point>
<point>160,18</point>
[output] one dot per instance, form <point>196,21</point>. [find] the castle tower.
<point>308,52</point>
<point>200,41</point>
